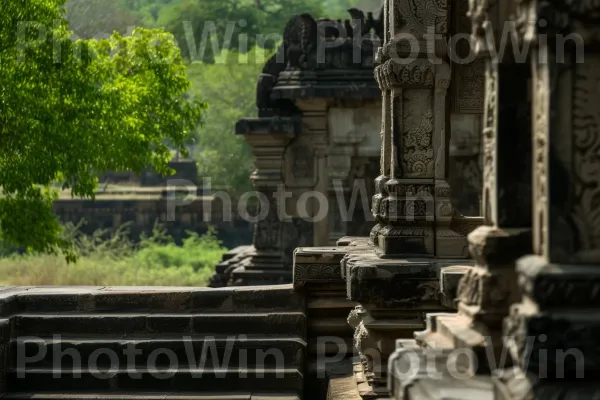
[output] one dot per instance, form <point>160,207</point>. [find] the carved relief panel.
<point>417,16</point>
<point>567,161</point>
<point>415,155</point>
<point>468,71</point>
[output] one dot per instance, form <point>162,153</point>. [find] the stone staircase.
<point>152,343</point>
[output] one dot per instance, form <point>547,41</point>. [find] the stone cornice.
<point>268,126</point>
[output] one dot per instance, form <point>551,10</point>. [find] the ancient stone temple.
<point>436,302</point>
<point>316,136</point>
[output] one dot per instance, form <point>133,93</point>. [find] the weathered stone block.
<point>392,283</point>
<point>556,286</point>
<point>494,247</point>
<point>317,265</point>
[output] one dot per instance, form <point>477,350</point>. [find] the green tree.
<point>69,110</point>
<point>229,85</point>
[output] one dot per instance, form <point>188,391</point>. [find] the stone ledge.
<point>495,247</point>
<point>268,126</point>
<point>392,283</point>
<point>317,265</point>
<point>557,344</point>
<point>178,395</point>
<point>556,286</point>
<point>350,91</point>
<point>140,299</point>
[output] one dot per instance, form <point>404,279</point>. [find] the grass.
<point>117,261</point>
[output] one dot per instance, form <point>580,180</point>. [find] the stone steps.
<point>153,299</point>
<point>93,325</point>
<point>149,396</point>
<point>154,379</point>
<point>216,352</point>
<point>253,341</point>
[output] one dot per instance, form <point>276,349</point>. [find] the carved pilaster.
<point>566,146</point>
<point>414,129</point>
<point>559,312</point>
<point>265,262</point>
<point>269,152</point>
<point>407,224</point>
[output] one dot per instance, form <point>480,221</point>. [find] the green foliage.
<point>71,109</point>
<point>203,28</point>
<point>227,81</point>
<point>116,261</point>
<point>229,86</point>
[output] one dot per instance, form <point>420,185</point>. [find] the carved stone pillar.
<point>414,121</point>
<point>398,281</point>
<point>551,332</point>
<point>265,263</point>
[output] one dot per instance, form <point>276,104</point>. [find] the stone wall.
<point>142,214</point>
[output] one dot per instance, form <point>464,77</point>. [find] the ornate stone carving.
<point>303,35</point>
<point>417,121</point>
<point>489,141</point>
<point>380,194</point>
<point>541,112</point>
<point>560,17</point>
<point>299,40</point>
<point>445,209</point>
<point>316,272</point>
<point>469,85</point>
<point>406,201</point>
<point>392,74</point>
<point>420,16</point>
<point>386,134</point>
<point>586,159</point>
